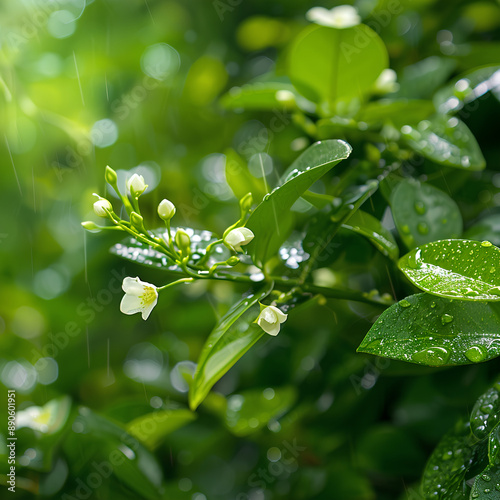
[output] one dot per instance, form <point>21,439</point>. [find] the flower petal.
<point>131,304</point>
<point>280,315</point>
<point>146,311</point>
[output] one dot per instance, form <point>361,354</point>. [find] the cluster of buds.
<point>140,296</point>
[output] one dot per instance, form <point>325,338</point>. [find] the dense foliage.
<point>327,177</point>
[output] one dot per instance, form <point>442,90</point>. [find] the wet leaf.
<point>445,140</point>
<point>268,220</point>
<point>487,228</point>
<point>365,224</point>
<point>233,336</point>
<point>486,413</point>
<point>494,445</point>
<point>463,269</point>
<point>249,411</point>
<point>325,64</point>
<point>423,213</point>
<point>434,331</point>
<point>487,484</point>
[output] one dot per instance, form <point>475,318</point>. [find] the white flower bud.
<point>238,237</point>
<point>136,185</point>
<point>182,240</point>
<point>166,209</point>
<point>270,319</point>
<point>343,16</point>
<point>102,207</point>
<point>91,226</point>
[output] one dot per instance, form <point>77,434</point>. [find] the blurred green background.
<point>135,84</point>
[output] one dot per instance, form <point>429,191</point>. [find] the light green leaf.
<point>487,484</point>
<point>434,331</point>
<point>462,269</point>
<point>329,64</point>
<point>268,219</point>
<point>467,88</point>
<point>251,410</point>
<point>423,213</point>
<point>365,224</point>
<point>445,140</point>
<point>231,338</point>
<point>152,428</point>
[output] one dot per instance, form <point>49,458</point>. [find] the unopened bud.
<point>233,261</point>
<point>166,210</point>
<point>91,226</point>
<point>137,221</point>
<point>182,240</point>
<point>110,176</point>
<point>136,185</point>
<point>102,207</point>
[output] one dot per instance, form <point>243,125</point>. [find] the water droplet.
<point>486,244</point>
<point>487,490</point>
<point>446,318</point>
<point>494,290</point>
<point>266,197</point>
<point>420,208</point>
<point>472,293</point>
<point>486,477</point>
<point>492,270</point>
<point>433,356</point>
<point>474,494</point>
<point>405,229</point>
<point>497,487</point>
<point>476,353</point>
<point>404,303</point>
<point>433,305</point>
<point>292,174</point>
<point>422,228</point>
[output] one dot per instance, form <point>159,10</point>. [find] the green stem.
<point>182,280</point>
<point>208,250</point>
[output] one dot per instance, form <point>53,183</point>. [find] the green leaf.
<point>494,445</point>
<point>397,112</point>
<point>434,331</point>
<point>268,219</point>
<point>233,336</point>
<point>486,413</point>
<point>329,64</point>
<point>152,428</point>
<point>487,484</point>
<point>487,228</point>
<point>467,88</point>
<point>140,253</point>
<point>423,213</point>
<point>445,140</point>
<point>240,180</point>
<point>365,224</point>
<point>451,459</point>
<point>463,269</point>
<point>251,410</point>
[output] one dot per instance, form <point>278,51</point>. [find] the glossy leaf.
<point>486,413</point>
<point>446,469</point>
<point>140,253</point>
<point>365,224</point>
<point>467,88</point>
<point>487,484</point>
<point>434,331</point>
<point>445,140</point>
<point>423,213</point>
<point>251,410</point>
<point>328,64</point>
<point>494,445</point>
<point>397,112</point>
<point>487,228</point>
<point>463,269</point>
<point>233,336</point>
<point>152,428</point>
<point>267,221</point>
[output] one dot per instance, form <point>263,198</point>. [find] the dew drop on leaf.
<point>420,208</point>
<point>486,244</point>
<point>475,353</point>
<point>446,318</point>
<point>404,303</point>
<point>434,356</point>
<point>422,228</point>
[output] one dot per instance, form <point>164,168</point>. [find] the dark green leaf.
<point>494,445</point>
<point>463,269</point>
<point>251,410</point>
<point>233,336</point>
<point>268,219</point>
<point>445,140</point>
<point>486,413</point>
<point>487,484</point>
<point>423,213</point>
<point>328,64</point>
<point>434,331</point>
<point>487,228</point>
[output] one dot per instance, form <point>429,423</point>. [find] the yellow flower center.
<point>148,296</point>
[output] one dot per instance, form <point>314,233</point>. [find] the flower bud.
<point>233,261</point>
<point>137,221</point>
<point>136,185</point>
<point>246,203</point>
<point>102,207</point>
<point>270,319</point>
<point>110,176</point>
<point>91,226</point>
<point>182,240</point>
<point>166,209</point>
<point>238,237</point>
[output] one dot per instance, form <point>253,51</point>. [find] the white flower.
<point>238,237</point>
<point>386,82</point>
<point>136,185</point>
<point>343,16</point>
<point>166,209</point>
<point>102,207</point>
<point>139,297</point>
<point>270,319</point>
<point>48,418</point>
